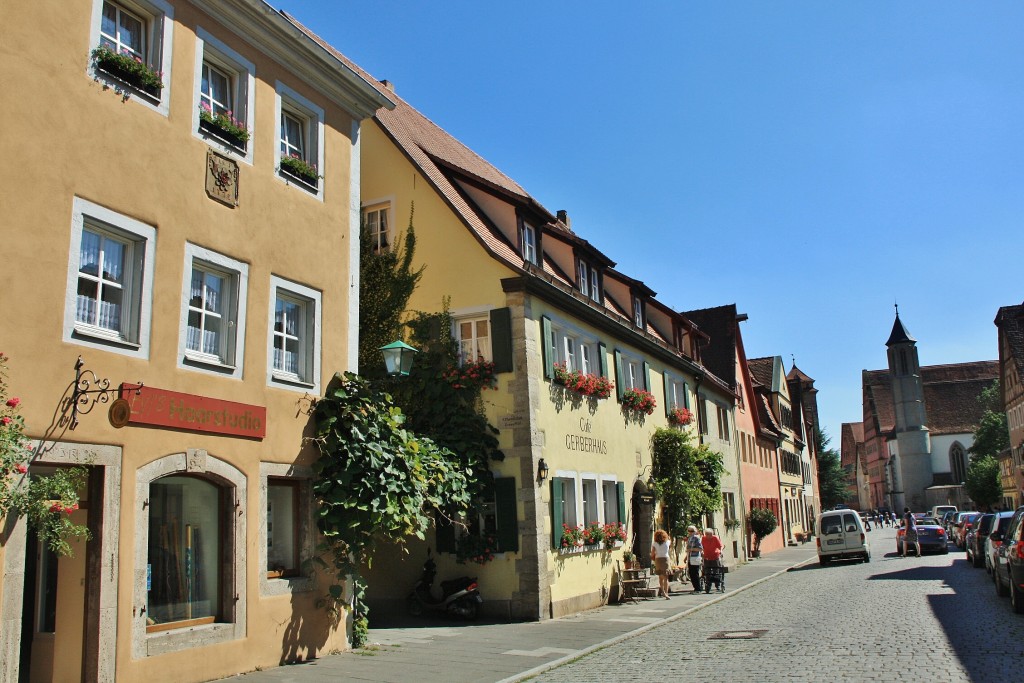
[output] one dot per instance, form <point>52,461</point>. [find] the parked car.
<point>841,535</point>
<point>947,519</point>
<point>956,531</point>
<point>975,541</point>
<point>1009,566</point>
<point>995,538</point>
<point>939,511</point>
<point>930,535</point>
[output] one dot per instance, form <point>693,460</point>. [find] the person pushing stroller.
<point>714,572</point>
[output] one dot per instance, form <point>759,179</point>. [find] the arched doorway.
<point>642,514</point>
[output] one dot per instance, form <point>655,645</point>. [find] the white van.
<point>939,510</point>
<point>841,536</point>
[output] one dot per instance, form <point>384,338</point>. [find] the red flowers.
<point>21,467</point>
<point>66,509</point>
<point>13,402</point>
<point>583,383</point>
<point>680,416</point>
<point>639,400</point>
<point>478,374</point>
<point>5,421</point>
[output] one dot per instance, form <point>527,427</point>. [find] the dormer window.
<point>589,282</point>
<point>638,312</point>
<point>528,237</point>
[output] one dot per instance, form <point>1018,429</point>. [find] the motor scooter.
<point>459,597</point>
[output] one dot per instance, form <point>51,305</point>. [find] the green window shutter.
<point>647,376</point>
<point>556,512</point>
<point>505,512</point>
<point>547,347</point>
<point>620,491</point>
<point>686,395</point>
<point>445,533</point>
<point>602,359</point>
<point>501,339</point>
<point>665,386</point>
<point>618,376</point>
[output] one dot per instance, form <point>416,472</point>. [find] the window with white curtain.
<point>213,309</point>
<point>294,334</point>
<point>109,280</point>
<point>473,336</point>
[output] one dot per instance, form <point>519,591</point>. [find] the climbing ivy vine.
<point>687,478</point>
<point>395,454</point>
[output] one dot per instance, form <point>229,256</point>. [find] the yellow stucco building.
<point>537,299</point>
<point>182,217</point>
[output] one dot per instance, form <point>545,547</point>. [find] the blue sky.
<point>812,162</point>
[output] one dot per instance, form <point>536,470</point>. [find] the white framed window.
<point>568,499</point>
<point>142,29</point>
<point>638,312</point>
<point>225,89</point>
<point>287,525</point>
<point>293,347</point>
<point>300,136</point>
<point>723,422</point>
<point>589,281</point>
<point>376,220</point>
<point>213,312</point>
<point>632,373</point>
<point>528,239</point>
<point>574,349</point>
<point>110,280</point>
<point>473,335</point>
<point>610,500</point>
<point>678,393</point>
<point>591,504</point>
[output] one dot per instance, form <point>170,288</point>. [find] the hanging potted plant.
<point>46,502</point>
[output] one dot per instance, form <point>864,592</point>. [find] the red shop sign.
<point>162,408</point>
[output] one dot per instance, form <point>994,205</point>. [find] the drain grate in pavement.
<point>739,635</point>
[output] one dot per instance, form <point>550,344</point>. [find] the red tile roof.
<point>950,396</point>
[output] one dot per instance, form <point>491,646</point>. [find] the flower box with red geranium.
<point>582,383</point>
<point>478,374</point>
<point>614,535</point>
<point>680,416</point>
<point>639,400</point>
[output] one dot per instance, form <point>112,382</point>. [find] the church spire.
<point>899,334</point>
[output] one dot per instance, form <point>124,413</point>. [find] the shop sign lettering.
<point>162,408</point>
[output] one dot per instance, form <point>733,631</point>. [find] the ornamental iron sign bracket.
<point>87,390</point>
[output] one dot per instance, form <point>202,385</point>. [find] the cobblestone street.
<point>893,619</point>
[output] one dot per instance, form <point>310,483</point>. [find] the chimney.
<point>563,216</point>
<point>388,84</point>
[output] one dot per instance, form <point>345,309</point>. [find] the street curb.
<point>537,670</point>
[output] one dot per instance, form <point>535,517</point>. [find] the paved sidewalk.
<point>452,652</point>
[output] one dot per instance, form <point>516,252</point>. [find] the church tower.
<point>911,468</point>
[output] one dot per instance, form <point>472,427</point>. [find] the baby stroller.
<point>713,573</point>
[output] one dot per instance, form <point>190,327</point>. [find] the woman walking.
<point>659,553</point>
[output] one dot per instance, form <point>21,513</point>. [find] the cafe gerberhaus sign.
<point>583,442</point>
